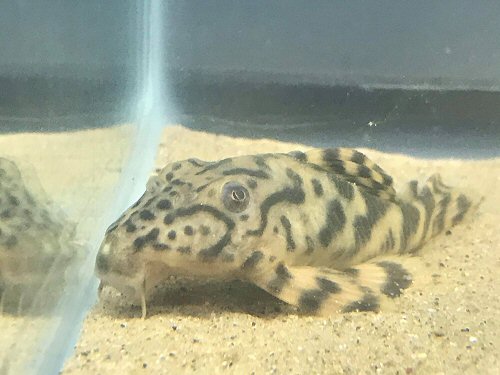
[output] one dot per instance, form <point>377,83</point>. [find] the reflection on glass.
<point>36,245</point>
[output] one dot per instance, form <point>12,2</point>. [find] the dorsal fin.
<point>353,166</point>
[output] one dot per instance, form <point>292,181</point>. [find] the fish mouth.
<point>113,273</point>
<point>132,289</point>
<point>128,286</point>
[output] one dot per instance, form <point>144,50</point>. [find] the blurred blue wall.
<point>450,41</point>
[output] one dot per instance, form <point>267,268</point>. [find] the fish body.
<point>306,227</point>
<point>34,242</point>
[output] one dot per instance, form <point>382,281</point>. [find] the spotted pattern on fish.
<point>305,226</point>
<point>36,244</point>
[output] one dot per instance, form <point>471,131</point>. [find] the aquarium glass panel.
<point>79,122</point>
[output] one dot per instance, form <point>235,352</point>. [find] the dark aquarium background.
<point>421,78</point>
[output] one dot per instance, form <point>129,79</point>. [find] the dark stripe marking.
<point>397,279</point>
<point>210,253</point>
<point>344,188</point>
<point>331,154</point>
<point>260,161</point>
<point>389,242</point>
<point>338,167</point>
<point>160,246</point>
<point>358,157</point>
<point>214,166</point>
<point>299,155</point>
<point>164,204</point>
<point>353,272</point>
<point>184,250</point>
<point>142,241</point>
<point>290,243</point>
<point>282,278</point>
<point>311,301</point>
<point>427,199</point>
<point>334,223</point>
<point>411,218</point>
<point>363,225</point>
<point>463,205</point>
<point>147,215</point>
<point>327,285</point>
<point>413,187</point>
<point>196,163</point>
<point>130,227</point>
<point>246,172</point>
<point>201,188</point>
<point>294,195</point>
<point>364,171</point>
<point>386,178</point>
<point>438,225</point>
<point>369,302</point>
<point>150,200</point>
<point>361,159</point>
<point>177,182</point>
<point>310,245</point>
<point>318,188</point>
<point>252,261</point>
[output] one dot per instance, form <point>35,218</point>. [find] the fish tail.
<point>433,209</point>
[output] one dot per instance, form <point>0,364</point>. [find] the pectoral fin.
<point>325,291</point>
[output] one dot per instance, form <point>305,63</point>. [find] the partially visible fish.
<point>35,245</point>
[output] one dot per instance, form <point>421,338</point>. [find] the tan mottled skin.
<point>34,249</point>
<point>305,227</point>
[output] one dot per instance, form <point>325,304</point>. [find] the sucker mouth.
<point>135,288</point>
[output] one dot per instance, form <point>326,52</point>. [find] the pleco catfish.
<point>305,227</point>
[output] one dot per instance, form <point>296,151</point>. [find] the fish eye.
<point>235,197</point>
